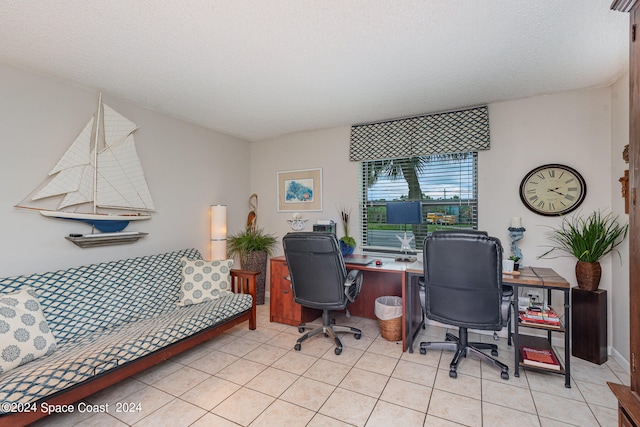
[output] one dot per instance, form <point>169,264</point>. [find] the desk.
<point>530,277</point>
<point>400,279</point>
<point>390,279</point>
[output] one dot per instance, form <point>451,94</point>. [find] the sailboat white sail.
<point>101,168</point>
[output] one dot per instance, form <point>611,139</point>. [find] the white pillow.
<point>24,332</point>
<point>204,280</point>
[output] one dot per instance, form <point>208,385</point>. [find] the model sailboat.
<point>100,169</point>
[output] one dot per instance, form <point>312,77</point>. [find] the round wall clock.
<point>553,190</point>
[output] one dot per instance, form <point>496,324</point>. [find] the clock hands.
<point>554,190</point>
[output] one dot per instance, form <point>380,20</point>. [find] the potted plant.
<point>253,246</point>
<point>515,260</point>
<point>588,240</point>
<point>347,243</point>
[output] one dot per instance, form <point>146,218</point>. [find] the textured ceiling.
<point>259,69</point>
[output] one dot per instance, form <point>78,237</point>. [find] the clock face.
<point>553,190</point>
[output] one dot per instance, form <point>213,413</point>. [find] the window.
<point>446,184</point>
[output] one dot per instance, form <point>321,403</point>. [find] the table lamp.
<point>404,213</point>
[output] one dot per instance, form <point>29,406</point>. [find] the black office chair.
<point>507,293</point>
<point>319,280</point>
<point>463,287</point>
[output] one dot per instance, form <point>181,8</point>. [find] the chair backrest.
<point>316,269</point>
<point>463,279</point>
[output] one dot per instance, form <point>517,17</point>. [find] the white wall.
<point>618,296</point>
<point>187,168</point>
<point>327,149</point>
<point>573,128</point>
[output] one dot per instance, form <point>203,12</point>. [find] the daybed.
<point>109,321</point>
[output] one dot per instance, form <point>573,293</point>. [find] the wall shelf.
<point>105,239</point>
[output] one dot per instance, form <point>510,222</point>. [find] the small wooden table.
<point>545,279</point>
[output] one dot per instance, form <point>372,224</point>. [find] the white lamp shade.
<point>218,250</point>
<point>218,232</point>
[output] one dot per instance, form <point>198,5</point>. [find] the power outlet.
<point>534,296</point>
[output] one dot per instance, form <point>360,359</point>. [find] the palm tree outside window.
<point>446,184</point>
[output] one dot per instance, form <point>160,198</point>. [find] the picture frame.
<point>300,190</point>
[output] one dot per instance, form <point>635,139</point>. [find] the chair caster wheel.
<point>297,347</point>
<point>300,330</point>
<point>423,351</point>
<point>453,374</point>
<point>357,336</point>
<point>494,353</point>
<point>337,351</point>
<point>504,375</point>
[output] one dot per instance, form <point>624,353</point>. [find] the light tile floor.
<point>255,378</point>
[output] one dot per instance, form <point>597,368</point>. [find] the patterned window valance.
<point>454,132</point>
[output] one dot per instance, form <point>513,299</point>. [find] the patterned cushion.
<point>204,280</point>
<point>24,332</point>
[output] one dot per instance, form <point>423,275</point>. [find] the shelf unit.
<point>542,344</point>
<point>545,279</point>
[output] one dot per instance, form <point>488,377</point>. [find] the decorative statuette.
<point>516,232</point>
<point>297,223</point>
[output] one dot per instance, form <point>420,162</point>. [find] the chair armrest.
<point>353,278</point>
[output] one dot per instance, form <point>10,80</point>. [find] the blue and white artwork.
<point>298,190</point>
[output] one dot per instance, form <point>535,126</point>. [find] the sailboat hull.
<point>106,223</point>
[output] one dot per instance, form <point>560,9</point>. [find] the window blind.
<point>445,184</point>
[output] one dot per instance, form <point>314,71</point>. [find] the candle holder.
<point>516,233</point>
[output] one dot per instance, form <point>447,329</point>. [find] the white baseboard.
<point>623,362</point>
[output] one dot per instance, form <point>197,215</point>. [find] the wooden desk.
<point>388,279</point>
<point>530,277</point>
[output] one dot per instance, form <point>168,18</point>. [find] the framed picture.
<point>300,190</point>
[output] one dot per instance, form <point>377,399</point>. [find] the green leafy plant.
<point>514,258</point>
<point>587,238</point>
<point>250,240</point>
<point>345,215</point>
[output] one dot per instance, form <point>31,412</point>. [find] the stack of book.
<point>540,358</point>
<point>536,315</point>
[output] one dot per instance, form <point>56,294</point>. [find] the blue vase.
<point>346,250</point>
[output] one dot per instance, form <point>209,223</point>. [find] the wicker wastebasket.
<point>388,310</point>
